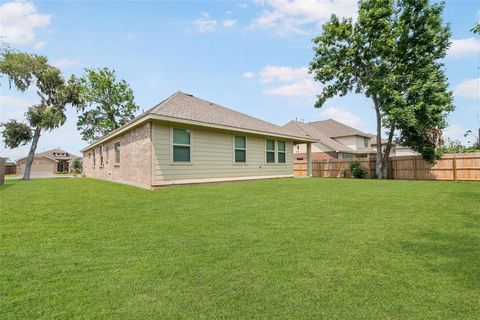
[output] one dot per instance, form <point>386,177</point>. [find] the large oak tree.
<point>110,104</point>
<point>393,55</point>
<point>23,71</point>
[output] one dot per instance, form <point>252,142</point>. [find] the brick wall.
<point>135,158</point>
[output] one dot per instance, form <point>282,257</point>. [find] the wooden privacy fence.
<point>464,166</point>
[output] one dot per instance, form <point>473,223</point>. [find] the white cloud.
<point>242,5</point>
<point>286,81</point>
<point>342,115</point>
<point>284,74</point>
<point>305,88</point>
<point>205,24</point>
<point>248,75</point>
<point>64,62</point>
<point>229,23</point>
<point>464,47</point>
<point>289,16</point>
<point>39,45</point>
<point>19,21</point>
<point>13,107</point>
<point>469,89</point>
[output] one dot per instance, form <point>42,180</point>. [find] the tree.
<point>111,104</point>
<point>77,166</point>
<point>24,70</point>
<point>392,55</point>
<point>476,28</point>
<point>453,146</point>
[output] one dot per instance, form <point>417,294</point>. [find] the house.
<point>48,162</point>
<point>335,140</point>
<point>397,150</point>
<point>185,139</point>
<point>10,167</point>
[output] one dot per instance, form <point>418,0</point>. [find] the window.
<point>106,151</point>
<point>181,145</point>
<point>240,149</point>
<point>116,147</point>
<point>347,156</point>
<point>281,151</point>
<point>366,142</point>
<point>93,152</point>
<point>270,151</point>
<point>101,155</point>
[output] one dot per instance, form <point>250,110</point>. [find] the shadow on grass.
<point>454,254</point>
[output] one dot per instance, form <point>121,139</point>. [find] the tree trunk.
<point>387,152</point>
<point>378,158</point>
<point>31,154</point>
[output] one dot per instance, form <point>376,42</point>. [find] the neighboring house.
<point>48,162</point>
<point>335,140</point>
<point>397,150</point>
<point>10,167</point>
<point>185,139</point>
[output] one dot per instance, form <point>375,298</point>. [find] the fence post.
<point>415,168</point>
<point>455,167</point>
<point>395,171</point>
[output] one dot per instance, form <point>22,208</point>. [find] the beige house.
<point>396,151</point>
<point>335,140</point>
<point>185,139</point>
<point>48,163</point>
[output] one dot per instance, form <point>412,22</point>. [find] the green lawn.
<point>278,249</point>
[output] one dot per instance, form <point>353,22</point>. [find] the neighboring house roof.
<point>334,129</point>
<point>313,132</point>
<point>55,155</point>
<point>317,131</point>
<point>373,141</point>
<point>186,108</point>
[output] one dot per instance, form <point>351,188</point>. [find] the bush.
<point>357,170</point>
<point>77,166</point>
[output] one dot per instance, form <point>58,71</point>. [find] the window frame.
<point>270,151</point>
<point>243,149</point>
<point>100,153</point>
<point>284,152</point>
<point>118,152</point>
<point>366,142</point>
<point>172,145</point>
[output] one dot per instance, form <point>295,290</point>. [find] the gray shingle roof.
<point>313,132</point>
<point>185,106</point>
<point>332,128</point>
<point>53,154</point>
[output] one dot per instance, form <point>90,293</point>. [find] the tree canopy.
<point>392,54</point>
<point>24,70</point>
<point>110,104</point>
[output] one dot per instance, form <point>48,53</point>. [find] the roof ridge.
<point>229,109</point>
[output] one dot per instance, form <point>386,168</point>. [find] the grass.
<point>278,249</point>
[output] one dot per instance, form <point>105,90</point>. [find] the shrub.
<point>77,166</point>
<point>357,170</point>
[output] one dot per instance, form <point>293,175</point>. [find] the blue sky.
<point>249,56</point>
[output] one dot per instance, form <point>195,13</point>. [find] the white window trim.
<point>233,152</point>
<point>101,156</point>
<point>115,163</point>
<point>284,152</point>
<point>181,163</point>
<point>274,152</point>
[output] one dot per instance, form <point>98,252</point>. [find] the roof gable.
<point>314,133</point>
<point>333,129</point>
